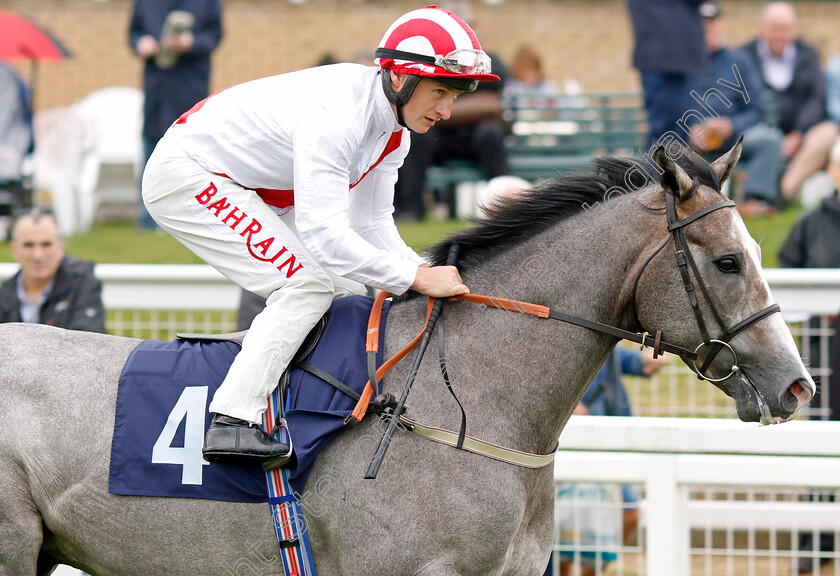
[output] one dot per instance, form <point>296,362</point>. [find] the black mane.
<point>510,221</point>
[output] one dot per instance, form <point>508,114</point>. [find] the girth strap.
<point>470,444</point>
<point>329,379</point>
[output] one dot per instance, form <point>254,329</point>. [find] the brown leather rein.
<point>643,338</point>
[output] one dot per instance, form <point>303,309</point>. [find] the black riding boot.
<point>234,441</point>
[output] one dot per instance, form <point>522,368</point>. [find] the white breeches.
<point>233,230</point>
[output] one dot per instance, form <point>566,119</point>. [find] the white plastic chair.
<point>113,150</point>
<point>57,163</point>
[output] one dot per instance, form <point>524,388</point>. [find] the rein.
<point>644,339</point>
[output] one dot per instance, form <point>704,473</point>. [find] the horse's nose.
<point>797,395</point>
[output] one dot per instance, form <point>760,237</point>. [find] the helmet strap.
<point>399,99</point>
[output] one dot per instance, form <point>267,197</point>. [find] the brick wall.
<point>586,40</point>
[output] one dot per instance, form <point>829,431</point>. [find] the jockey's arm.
<point>372,216</point>
<point>323,221</point>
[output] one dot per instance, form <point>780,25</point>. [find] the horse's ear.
<point>672,177</point>
<point>724,165</point>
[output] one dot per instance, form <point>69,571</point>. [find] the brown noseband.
<point>684,260</point>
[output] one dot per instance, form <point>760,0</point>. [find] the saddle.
<point>160,377</point>
<point>309,343</point>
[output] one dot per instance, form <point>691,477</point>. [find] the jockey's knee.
<point>315,291</point>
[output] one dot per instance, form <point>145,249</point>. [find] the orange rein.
<point>372,343</point>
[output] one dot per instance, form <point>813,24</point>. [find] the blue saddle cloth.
<point>164,391</point>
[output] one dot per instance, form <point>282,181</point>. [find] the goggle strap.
<point>402,55</point>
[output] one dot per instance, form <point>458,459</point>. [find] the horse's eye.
<point>728,265</point>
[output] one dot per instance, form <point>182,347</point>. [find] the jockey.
<point>285,185</point>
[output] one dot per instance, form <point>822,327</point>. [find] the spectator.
<point>668,52</point>
<point>175,39</point>
<point>818,141</point>
<point>832,89</point>
<point>528,84</point>
<point>814,242</point>
<point>474,131</point>
<point>50,288</point>
<point>738,110</point>
<point>284,193</point>
<point>607,396</point>
<point>793,81</point>
<point>16,142</point>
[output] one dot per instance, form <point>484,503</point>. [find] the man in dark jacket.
<point>814,241</point>
<point>668,52</point>
<point>50,288</point>
<point>730,94</point>
<point>793,79</point>
<point>175,38</point>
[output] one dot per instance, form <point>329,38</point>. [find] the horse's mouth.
<point>753,405</point>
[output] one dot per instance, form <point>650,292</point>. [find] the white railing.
<point>159,286</point>
<point>157,301</point>
<point>200,287</point>
<point>669,455</point>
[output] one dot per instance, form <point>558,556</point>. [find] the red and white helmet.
<point>435,43</point>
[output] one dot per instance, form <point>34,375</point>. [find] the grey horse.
<point>581,244</point>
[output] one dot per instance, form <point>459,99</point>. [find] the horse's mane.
<point>514,219</point>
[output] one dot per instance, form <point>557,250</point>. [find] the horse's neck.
<point>583,266</point>
<point>520,377</point>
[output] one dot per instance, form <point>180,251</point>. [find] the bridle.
<point>684,261</point>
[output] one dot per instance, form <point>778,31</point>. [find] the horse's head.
<point>712,297</point>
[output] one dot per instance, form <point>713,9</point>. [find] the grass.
<point>120,242</point>
<point>770,232</point>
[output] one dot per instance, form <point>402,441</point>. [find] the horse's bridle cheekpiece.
<point>684,260</point>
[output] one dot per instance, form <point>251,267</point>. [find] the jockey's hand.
<point>439,281</point>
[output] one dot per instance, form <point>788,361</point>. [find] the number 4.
<point>192,405</point>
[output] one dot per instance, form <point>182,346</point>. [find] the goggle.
<point>464,61</point>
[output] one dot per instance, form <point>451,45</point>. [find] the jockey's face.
<point>38,248</point>
<point>430,102</point>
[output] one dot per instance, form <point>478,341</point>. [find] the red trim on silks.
<point>286,198</point>
<point>276,198</point>
<point>196,107</point>
<point>393,143</point>
<point>182,119</point>
<point>272,197</point>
